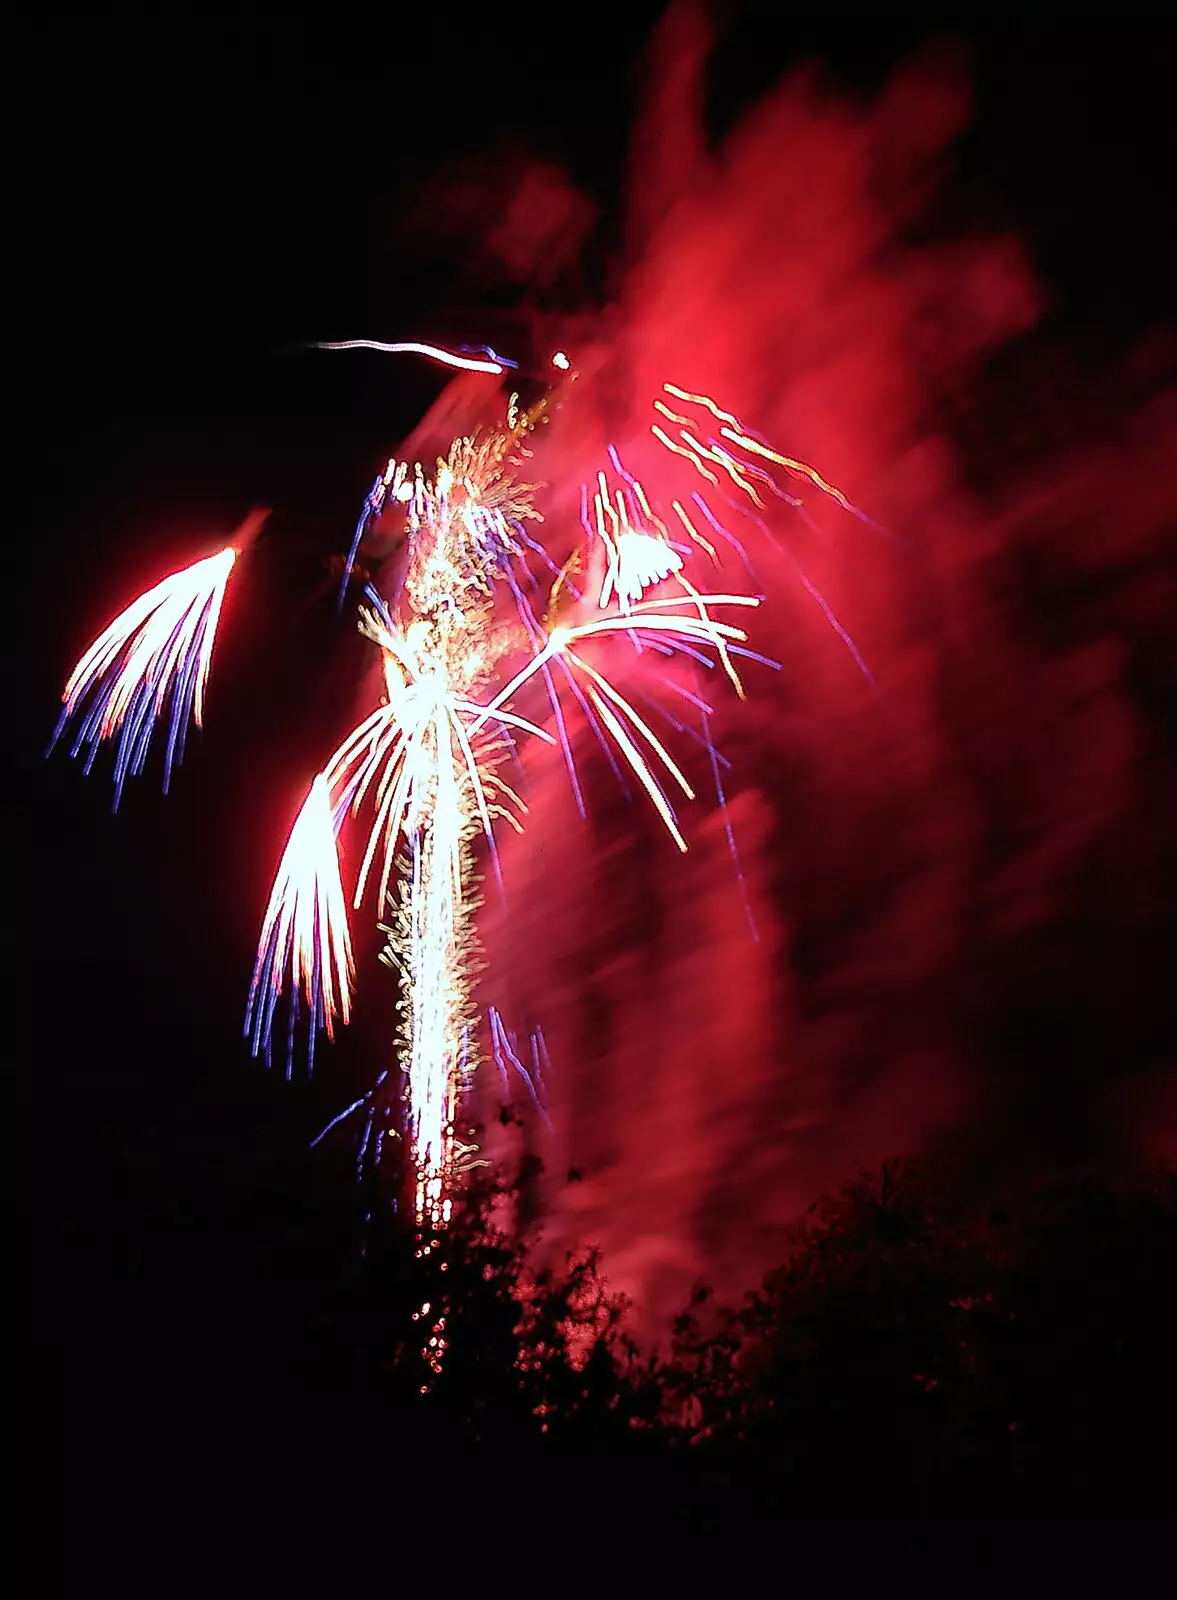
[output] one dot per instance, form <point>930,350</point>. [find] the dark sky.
<point>191,197</point>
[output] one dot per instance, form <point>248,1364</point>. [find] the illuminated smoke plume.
<point>926,902</point>
<point>944,867</point>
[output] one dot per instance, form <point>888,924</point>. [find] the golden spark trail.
<point>476,608</point>
<point>423,765</point>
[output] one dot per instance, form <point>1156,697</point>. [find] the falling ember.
<point>638,556</point>
<point>153,657</point>
<point>733,431</point>
<point>304,932</point>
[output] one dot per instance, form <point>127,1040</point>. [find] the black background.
<point>191,196</point>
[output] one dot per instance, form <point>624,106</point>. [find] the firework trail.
<point>426,764</point>
<point>305,930</point>
<point>488,361</point>
<point>153,659</point>
<point>488,640</point>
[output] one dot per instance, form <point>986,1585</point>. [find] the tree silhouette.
<point>919,1356</point>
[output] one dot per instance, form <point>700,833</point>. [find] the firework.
<point>639,552</point>
<point>304,931</point>
<point>487,361</point>
<point>424,767</point>
<point>151,662</point>
<point>488,641</point>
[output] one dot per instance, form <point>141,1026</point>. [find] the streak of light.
<point>411,347</point>
<point>154,655</point>
<point>305,935</point>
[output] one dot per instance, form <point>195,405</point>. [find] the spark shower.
<point>486,640</point>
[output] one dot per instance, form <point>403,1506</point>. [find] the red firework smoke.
<point>942,874</point>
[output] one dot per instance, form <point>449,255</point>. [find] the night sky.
<point>194,198</point>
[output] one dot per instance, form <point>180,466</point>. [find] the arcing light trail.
<point>492,362</point>
<point>478,648</point>
<point>154,655</point>
<point>157,651</point>
<point>305,928</point>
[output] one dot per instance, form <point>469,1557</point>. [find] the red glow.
<point>909,864</point>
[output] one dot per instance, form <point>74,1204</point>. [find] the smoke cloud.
<point>952,924</point>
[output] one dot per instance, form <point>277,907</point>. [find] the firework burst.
<point>487,641</point>
<point>151,662</point>
<point>304,931</point>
